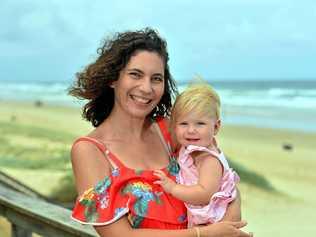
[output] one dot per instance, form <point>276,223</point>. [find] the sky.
<point>51,40</point>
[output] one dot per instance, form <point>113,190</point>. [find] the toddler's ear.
<point>217,126</point>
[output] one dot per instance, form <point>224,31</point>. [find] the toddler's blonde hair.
<point>199,97</point>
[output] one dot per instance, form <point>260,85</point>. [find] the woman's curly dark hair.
<point>93,83</point>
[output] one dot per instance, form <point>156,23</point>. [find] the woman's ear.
<point>113,84</point>
<point>217,126</point>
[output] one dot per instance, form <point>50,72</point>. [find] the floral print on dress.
<point>144,193</point>
<point>118,211</point>
<point>115,172</point>
<point>139,172</point>
<point>173,167</point>
<point>94,197</point>
<point>182,218</point>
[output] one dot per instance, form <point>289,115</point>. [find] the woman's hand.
<point>224,229</point>
<point>166,183</point>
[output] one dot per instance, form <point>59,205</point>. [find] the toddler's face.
<point>195,129</point>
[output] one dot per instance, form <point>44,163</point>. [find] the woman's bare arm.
<point>220,229</point>
<point>89,165</point>
<point>123,228</point>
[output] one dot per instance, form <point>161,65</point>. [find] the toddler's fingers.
<point>159,174</point>
<point>156,174</point>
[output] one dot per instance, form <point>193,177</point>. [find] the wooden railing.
<point>29,215</point>
<point>14,184</point>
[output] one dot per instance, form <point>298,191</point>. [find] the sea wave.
<point>264,106</point>
<point>242,96</point>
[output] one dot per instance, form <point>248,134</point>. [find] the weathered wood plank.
<point>40,216</point>
<point>15,184</point>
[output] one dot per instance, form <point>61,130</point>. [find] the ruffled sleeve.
<point>101,204</point>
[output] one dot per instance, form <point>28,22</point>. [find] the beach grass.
<point>275,181</point>
<point>289,210</point>
<point>35,143</point>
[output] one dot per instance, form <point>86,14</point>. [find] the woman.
<point>129,90</point>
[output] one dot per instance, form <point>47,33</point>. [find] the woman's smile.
<point>141,99</point>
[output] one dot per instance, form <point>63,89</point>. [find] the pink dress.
<point>215,210</point>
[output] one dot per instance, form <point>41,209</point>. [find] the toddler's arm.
<point>210,173</point>
<point>233,212</point>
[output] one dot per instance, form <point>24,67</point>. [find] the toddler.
<point>206,183</point>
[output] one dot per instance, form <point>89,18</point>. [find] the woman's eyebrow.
<point>134,69</point>
<point>140,71</point>
<point>158,74</point>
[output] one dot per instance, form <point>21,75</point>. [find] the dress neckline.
<point>113,158</point>
<point>159,127</point>
<point>120,164</point>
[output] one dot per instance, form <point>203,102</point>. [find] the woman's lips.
<point>141,99</point>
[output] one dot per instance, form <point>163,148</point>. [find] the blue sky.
<point>223,39</point>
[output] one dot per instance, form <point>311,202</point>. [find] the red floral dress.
<point>132,192</point>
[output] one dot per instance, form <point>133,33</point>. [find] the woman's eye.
<point>157,79</point>
<point>134,75</point>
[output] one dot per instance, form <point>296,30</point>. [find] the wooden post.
<point>17,231</point>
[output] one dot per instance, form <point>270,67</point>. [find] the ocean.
<point>274,104</point>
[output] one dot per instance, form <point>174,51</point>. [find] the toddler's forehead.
<point>195,115</point>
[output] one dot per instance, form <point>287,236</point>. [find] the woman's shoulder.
<point>89,163</point>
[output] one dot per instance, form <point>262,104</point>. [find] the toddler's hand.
<point>166,183</point>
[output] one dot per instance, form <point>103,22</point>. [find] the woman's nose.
<point>146,85</point>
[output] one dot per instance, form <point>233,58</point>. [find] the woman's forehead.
<point>146,59</point>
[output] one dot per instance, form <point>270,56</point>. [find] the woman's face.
<point>140,85</point>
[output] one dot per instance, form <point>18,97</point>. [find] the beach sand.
<point>289,211</point>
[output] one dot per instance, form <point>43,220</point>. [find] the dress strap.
<point>112,159</point>
<point>163,128</point>
<point>97,143</point>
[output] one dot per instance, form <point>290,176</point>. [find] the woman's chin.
<point>139,114</point>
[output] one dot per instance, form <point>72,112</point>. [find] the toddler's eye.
<point>183,123</point>
<point>200,123</point>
